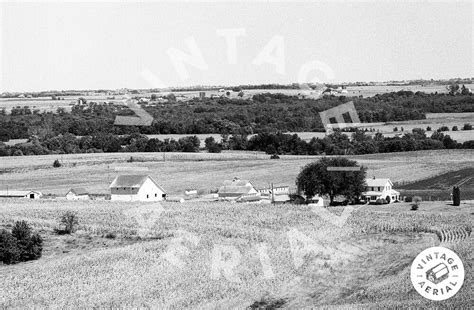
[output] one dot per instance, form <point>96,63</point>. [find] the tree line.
<point>336,143</point>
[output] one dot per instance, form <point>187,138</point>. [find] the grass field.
<point>363,264</point>
<point>204,171</point>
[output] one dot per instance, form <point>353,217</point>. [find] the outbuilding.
<point>20,194</point>
<point>78,193</point>
<point>233,189</point>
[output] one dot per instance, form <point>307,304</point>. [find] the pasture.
<point>204,171</point>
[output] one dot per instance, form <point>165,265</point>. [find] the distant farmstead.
<point>236,188</point>
<point>77,194</point>
<point>378,189</point>
<point>20,194</point>
<point>136,188</point>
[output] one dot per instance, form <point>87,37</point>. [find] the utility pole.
<point>273,195</point>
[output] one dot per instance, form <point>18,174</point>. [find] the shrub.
<point>56,164</point>
<point>69,221</point>
<point>455,128</point>
<point>416,203</point>
<point>9,252</point>
<point>443,128</point>
<point>428,128</point>
<point>408,199</point>
<point>20,245</point>
<point>274,156</point>
<point>467,127</point>
<point>111,235</point>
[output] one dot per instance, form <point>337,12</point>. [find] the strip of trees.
<point>337,143</point>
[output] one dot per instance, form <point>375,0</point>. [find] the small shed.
<point>20,194</point>
<point>78,193</point>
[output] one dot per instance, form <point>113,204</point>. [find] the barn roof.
<point>134,181</point>
<point>15,193</point>
<point>377,182</point>
<point>236,186</point>
<point>78,191</point>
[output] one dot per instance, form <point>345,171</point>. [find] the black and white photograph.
<point>226,154</point>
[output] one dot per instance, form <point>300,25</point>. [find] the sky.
<point>153,44</point>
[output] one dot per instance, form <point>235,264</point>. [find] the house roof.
<point>377,182</point>
<point>134,181</point>
<point>78,191</point>
<point>15,193</point>
<point>236,186</point>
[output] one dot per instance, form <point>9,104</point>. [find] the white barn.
<point>380,189</point>
<point>78,193</point>
<point>136,188</point>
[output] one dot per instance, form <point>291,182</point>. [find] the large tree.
<point>315,179</point>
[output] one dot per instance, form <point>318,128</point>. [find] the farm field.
<point>204,171</point>
<point>363,264</point>
<point>46,104</point>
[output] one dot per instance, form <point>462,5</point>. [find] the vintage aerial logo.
<point>437,273</point>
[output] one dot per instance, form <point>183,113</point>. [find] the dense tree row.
<point>336,143</point>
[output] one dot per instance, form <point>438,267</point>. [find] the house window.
<point>378,188</point>
<point>156,195</point>
<point>147,196</point>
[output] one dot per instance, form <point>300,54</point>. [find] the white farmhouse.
<point>136,188</point>
<point>77,194</point>
<point>380,189</point>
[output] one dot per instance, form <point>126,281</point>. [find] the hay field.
<point>222,255</point>
<point>204,171</point>
<point>42,104</point>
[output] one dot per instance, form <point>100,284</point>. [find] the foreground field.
<point>222,256</point>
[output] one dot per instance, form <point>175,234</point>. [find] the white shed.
<point>79,193</point>
<point>20,194</point>
<point>136,188</point>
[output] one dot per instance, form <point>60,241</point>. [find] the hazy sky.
<point>94,45</point>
